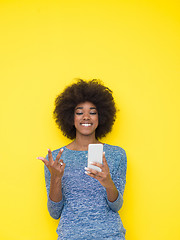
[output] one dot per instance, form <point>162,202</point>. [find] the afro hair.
<point>82,91</point>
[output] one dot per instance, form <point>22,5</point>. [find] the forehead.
<point>87,105</point>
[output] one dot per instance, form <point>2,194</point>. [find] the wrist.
<point>55,193</point>
<point>55,180</point>
<point>110,185</point>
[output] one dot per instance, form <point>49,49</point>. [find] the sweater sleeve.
<point>54,208</point>
<point>119,179</point>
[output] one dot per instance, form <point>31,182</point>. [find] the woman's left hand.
<point>103,177</point>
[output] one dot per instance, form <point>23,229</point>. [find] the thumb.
<point>104,159</point>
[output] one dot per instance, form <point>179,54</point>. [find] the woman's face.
<point>85,118</point>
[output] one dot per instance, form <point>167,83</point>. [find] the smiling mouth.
<point>86,124</point>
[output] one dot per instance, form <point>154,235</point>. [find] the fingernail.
<point>86,168</point>
<point>86,172</point>
<point>61,163</point>
<point>62,149</point>
<point>91,163</point>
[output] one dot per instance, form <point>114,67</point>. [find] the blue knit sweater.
<point>85,212</point>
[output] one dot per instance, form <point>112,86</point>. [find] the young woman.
<point>86,201</point>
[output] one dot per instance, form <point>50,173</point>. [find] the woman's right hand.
<point>56,167</point>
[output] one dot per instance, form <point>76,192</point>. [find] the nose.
<point>86,116</point>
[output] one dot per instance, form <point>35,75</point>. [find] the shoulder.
<point>114,149</point>
<point>116,154</point>
<point>116,157</point>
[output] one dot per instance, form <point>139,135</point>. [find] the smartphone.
<point>95,154</point>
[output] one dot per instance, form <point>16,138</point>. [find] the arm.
<point>54,207</point>
<point>119,179</point>
<point>112,192</point>
<point>53,173</point>
<point>114,185</point>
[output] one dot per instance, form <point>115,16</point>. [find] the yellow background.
<point>134,48</point>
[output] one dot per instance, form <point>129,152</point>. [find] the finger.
<point>63,165</point>
<point>59,155</point>
<point>105,162</point>
<point>92,171</point>
<point>104,159</point>
<point>43,160</point>
<point>50,156</point>
<point>60,162</point>
<point>93,175</point>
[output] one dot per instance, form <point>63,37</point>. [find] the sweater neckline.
<point>79,151</point>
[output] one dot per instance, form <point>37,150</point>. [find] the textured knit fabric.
<point>85,212</point>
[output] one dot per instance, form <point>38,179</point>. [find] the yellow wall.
<point>134,47</point>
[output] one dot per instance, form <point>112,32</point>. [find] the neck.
<point>81,144</point>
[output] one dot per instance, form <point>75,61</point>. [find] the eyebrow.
<point>82,108</point>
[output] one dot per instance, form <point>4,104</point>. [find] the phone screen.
<point>95,154</point>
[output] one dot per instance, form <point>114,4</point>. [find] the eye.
<point>79,113</point>
<point>93,113</point>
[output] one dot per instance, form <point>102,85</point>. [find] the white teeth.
<point>86,124</point>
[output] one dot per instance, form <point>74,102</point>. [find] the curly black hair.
<point>92,91</point>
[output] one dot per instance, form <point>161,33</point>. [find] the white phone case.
<point>95,154</point>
